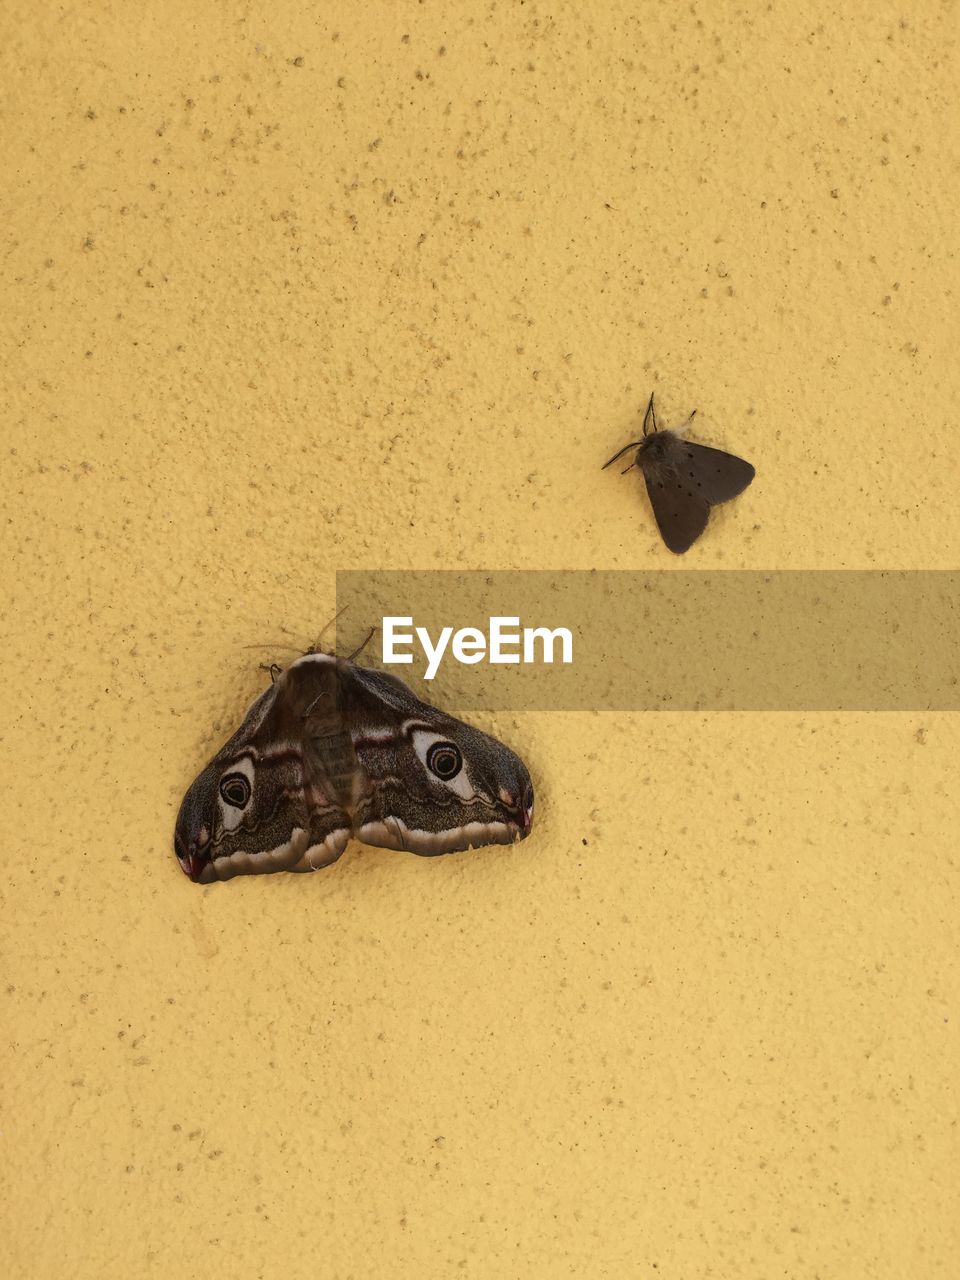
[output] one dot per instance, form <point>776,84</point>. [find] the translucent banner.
<point>663,641</point>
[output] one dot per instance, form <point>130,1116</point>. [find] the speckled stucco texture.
<point>297,288</point>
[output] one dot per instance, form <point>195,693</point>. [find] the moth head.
<point>656,447</point>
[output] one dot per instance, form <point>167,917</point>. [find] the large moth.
<point>332,750</point>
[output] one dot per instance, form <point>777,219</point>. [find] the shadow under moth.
<point>332,750</point>
<point>684,480</point>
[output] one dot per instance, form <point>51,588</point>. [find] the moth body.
<point>657,452</point>
<point>335,758</point>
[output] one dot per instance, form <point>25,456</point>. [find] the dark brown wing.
<point>715,475</point>
<point>684,481</point>
<point>681,512</point>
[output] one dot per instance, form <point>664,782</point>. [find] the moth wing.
<point>288,815</point>
<point>365,692</point>
<point>402,805</point>
<point>397,806</point>
<point>681,512</point>
<point>714,474</point>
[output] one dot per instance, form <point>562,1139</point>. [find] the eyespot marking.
<point>444,759</point>
<point>444,763</point>
<point>235,790</point>
<point>235,793</point>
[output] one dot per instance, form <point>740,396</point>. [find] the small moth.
<point>684,480</point>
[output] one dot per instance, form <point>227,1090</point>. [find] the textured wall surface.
<point>297,287</point>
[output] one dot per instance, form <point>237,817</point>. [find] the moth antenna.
<point>634,445</point>
<point>287,632</point>
<point>291,647</point>
<point>315,647</point>
<point>650,416</point>
<point>680,430</point>
<point>630,468</point>
<point>360,648</point>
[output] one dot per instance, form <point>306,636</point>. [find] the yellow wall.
<point>297,287</point>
